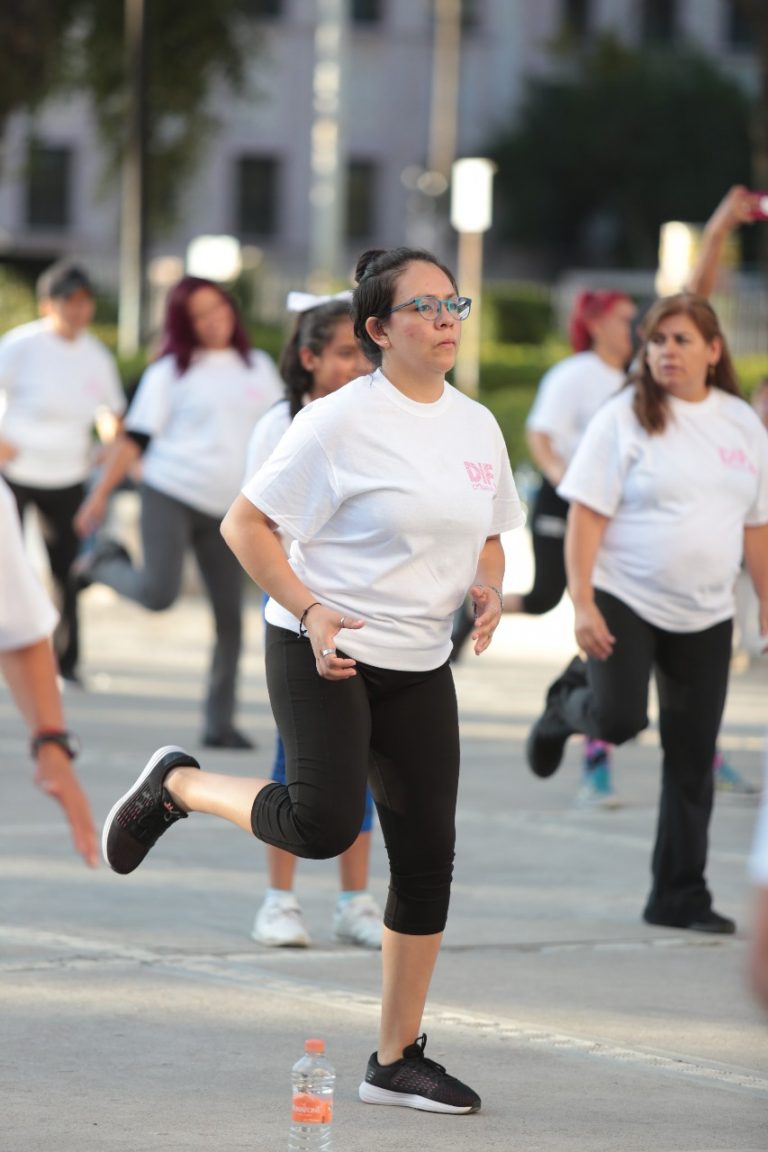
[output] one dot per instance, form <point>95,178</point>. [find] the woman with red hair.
<point>189,423</point>
<point>600,331</point>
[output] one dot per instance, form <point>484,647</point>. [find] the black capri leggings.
<point>548,520</point>
<point>397,731</point>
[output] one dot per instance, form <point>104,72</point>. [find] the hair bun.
<point>363,266</point>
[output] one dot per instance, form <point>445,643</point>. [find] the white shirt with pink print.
<point>388,502</point>
<point>678,503</point>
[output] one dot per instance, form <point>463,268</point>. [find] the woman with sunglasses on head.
<point>395,490</point>
<point>600,331</point>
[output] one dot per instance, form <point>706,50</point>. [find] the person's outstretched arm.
<point>120,457</point>
<point>583,537</point>
<point>31,676</point>
<point>733,210</point>
<point>756,562</point>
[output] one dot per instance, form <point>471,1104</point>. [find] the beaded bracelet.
<point>302,626</point>
<point>493,588</point>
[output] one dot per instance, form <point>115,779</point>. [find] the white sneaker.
<point>279,923</point>
<point>359,921</point>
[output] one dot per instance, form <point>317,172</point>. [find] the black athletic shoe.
<point>549,735</point>
<point>710,921</point>
<point>232,739</point>
<point>144,813</point>
<point>416,1082</point>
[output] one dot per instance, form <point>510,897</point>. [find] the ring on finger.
<point>328,652</point>
<point>341,622</point>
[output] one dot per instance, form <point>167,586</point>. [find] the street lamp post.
<point>132,209</point>
<point>471,214</point>
<point>328,183</point>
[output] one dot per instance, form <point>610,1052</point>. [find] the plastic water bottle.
<point>312,1079</point>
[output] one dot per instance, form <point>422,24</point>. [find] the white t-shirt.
<point>26,613</point>
<point>568,396</point>
<point>53,390</point>
<point>199,424</point>
<point>389,503</point>
<point>266,436</point>
<point>678,503</point>
<point>758,860</point>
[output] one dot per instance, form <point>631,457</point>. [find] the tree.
<point>598,160</point>
<point>31,32</point>
<point>78,45</point>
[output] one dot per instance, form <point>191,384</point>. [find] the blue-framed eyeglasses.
<point>430,307</point>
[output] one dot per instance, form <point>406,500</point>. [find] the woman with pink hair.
<point>189,424</point>
<point>569,394</point>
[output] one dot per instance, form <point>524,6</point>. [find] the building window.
<point>49,171</point>
<point>658,21</point>
<point>257,193</point>
<point>361,199</point>
<point>366,11</point>
<point>738,30</point>
<point>470,14</point>
<point>575,19</point>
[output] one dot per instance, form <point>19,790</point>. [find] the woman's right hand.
<point>90,514</point>
<point>8,452</point>
<point>592,633</point>
<point>322,625</point>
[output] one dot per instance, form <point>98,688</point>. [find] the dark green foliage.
<point>599,158</point>
<point>520,314</point>
<point>79,45</point>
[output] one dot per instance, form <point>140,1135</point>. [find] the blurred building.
<point>253,183</point>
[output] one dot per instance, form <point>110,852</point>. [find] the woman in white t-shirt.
<point>600,332</point>
<point>57,382</point>
<point>321,355</point>
<point>189,423</point>
<point>395,491</point>
<point>667,490</point>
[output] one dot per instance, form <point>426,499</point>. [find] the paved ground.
<point>136,1014</point>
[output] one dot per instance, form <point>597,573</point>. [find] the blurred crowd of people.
<point>329,480</point>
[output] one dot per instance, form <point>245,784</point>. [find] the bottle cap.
<point>314,1045</point>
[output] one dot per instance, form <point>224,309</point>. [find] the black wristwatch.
<point>66,740</point>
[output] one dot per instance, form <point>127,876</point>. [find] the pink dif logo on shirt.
<point>737,459</point>
<point>481,476</point>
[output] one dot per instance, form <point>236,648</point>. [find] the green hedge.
<point>518,314</point>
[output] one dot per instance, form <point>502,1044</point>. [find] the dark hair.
<point>179,339</point>
<point>376,275</point>
<point>651,402</point>
<point>62,280</point>
<point>587,307</point>
<point>313,329</point>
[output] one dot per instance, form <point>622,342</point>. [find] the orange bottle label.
<point>311,1109</point>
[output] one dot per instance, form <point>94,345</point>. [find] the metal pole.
<point>446,60</point>
<point>327,194</point>
<point>132,214</point>
<point>470,277</point>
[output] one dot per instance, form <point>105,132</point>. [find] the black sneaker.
<point>140,817</point>
<point>549,735</point>
<point>709,921</point>
<point>416,1082</point>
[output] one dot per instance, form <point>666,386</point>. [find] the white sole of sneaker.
<point>270,942</point>
<point>151,764</point>
<point>370,1094</point>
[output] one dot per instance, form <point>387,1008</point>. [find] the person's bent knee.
<point>537,603</point>
<point>617,729</point>
<point>158,599</point>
